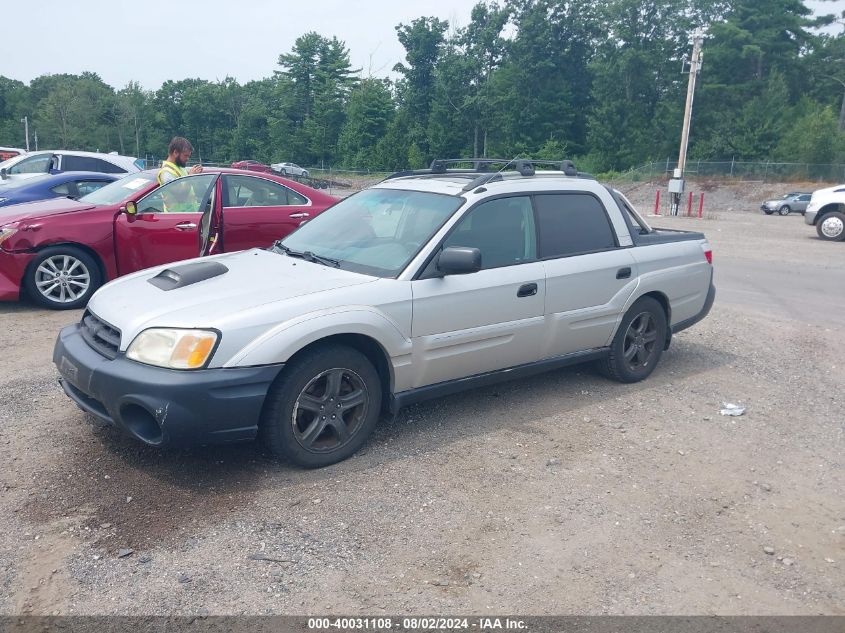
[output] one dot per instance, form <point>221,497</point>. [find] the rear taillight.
<point>708,255</point>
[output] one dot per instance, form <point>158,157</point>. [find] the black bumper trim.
<point>163,406</point>
<point>708,303</point>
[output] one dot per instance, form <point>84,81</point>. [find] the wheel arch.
<point>832,207</point>
<point>366,345</point>
<point>82,247</point>
<point>663,300</point>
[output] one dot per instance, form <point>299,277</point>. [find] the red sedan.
<point>60,251</point>
<point>252,165</point>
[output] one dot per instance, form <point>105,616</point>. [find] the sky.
<point>155,40</point>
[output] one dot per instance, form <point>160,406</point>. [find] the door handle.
<point>527,290</point>
<point>299,215</point>
<point>623,273</point>
<point>186,226</point>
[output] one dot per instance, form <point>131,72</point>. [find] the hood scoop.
<point>186,275</point>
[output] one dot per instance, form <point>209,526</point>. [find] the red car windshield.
<point>119,190</point>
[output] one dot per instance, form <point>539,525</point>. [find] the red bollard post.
<point>701,205</point>
<point>689,205</point>
<point>657,203</point>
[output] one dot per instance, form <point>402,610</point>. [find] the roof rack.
<point>524,166</point>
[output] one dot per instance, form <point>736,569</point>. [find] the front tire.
<point>784,210</point>
<point>831,227</point>
<point>62,278</point>
<point>322,408</point>
<point>638,344</point>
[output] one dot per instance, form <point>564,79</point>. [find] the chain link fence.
<point>760,171</point>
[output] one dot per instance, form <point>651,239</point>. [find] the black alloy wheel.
<point>638,344</point>
<point>322,407</point>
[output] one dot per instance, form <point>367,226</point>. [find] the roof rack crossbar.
<point>524,166</point>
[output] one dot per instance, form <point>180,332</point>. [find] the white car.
<point>289,169</point>
<point>32,164</point>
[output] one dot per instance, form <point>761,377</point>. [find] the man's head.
<point>179,151</point>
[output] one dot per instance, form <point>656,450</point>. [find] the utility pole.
<point>25,122</point>
<point>36,140</point>
<point>676,185</point>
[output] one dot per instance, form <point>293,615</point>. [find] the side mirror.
<point>459,260</point>
<point>131,208</point>
<point>4,174</point>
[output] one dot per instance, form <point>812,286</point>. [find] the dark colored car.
<point>252,165</point>
<point>69,184</point>
<point>60,251</point>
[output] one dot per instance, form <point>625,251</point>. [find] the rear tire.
<point>638,344</point>
<point>322,408</point>
<point>831,227</point>
<point>62,278</point>
<point>784,210</point>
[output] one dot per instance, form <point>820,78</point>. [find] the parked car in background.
<point>252,165</point>
<point>10,152</point>
<point>793,201</point>
<point>289,169</point>
<point>426,284</point>
<point>31,164</point>
<point>825,212</point>
<point>68,184</point>
<point>58,252</point>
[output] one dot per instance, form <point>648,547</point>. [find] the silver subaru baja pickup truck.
<point>425,284</point>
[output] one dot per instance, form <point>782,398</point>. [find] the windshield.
<point>119,190</point>
<point>376,231</point>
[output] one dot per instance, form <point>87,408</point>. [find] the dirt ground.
<point>559,494</point>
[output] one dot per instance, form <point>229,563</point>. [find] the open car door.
<point>166,222</point>
<point>211,225</point>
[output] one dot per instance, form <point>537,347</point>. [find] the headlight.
<point>173,348</point>
<point>6,232</point>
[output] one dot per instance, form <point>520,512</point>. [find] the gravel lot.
<point>563,493</point>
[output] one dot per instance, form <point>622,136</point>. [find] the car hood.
<point>258,286</point>
<point>40,209</point>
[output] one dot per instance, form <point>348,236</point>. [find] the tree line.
<point>598,81</point>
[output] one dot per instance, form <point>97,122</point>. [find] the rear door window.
<point>246,191</point>
<point>572,223</point>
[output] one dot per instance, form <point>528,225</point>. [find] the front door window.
<point>184,195</point>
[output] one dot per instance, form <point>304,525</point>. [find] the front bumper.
<point>810,216</point>
<point>12,267</point>
<point>163,406</point>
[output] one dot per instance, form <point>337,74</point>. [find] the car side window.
<point>805,197</point>
<point>502,229</point>
<point>89,186</point>
<point>62,189</point>
<point>34,165</point>
<point>246,191</point>
<point>572,223</point>
<point>183,195</point>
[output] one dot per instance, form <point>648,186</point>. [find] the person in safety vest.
<point>178,153</point>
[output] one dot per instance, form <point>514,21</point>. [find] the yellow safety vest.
<point>171,168</point>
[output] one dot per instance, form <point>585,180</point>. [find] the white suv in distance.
<point>32,164</point>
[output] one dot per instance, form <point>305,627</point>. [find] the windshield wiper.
<point>306,255</point>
